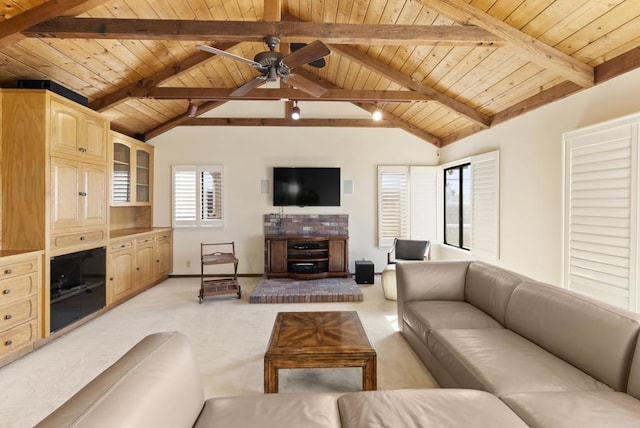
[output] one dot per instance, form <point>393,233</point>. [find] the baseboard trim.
<point>217,275</point>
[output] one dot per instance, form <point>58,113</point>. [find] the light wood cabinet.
<point>145,261</point>
<point>136,262</point>
<point>121,266</point>
<point>20,282</point>
<point>131,171</point>
<point>76,133</point>
<point>79,192</point>
<point>164,255</point>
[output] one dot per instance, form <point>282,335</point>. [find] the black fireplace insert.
<point>77,286</point>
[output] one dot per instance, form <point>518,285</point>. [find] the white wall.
<point>248,155</point>
<point>531,172</point>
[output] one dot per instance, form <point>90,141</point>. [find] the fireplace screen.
<point>77,286</point>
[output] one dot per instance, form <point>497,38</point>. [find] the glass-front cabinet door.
<point>143,176</point>
<point>121,193</point>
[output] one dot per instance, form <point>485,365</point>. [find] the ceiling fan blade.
<point>247,87</point>
<point>319,63</point>
<point>217,51</point>
<point>312,52</point>
<point>306,85</point>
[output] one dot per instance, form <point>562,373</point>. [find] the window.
<point>197,195</point>
<point>406,203</point>
<point>470,210</point>
<point>457,206</point>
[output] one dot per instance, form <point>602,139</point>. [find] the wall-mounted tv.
<point>315,187</point>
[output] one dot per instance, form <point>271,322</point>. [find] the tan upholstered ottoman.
<point>389,282</point>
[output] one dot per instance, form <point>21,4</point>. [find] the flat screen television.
<point>306,186</point>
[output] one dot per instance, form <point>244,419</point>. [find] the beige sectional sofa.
<point>157,384</point>
<point>557,358</point>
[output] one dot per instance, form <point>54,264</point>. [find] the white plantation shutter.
<point>601,212</point>
<point>485,205</point>
<point>393,204</point>
<point>197,196</point>
<point>423,191</point>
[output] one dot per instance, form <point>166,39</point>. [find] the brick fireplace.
<point>306,225</point>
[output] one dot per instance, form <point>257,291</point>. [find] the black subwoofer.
<point>364,272</point>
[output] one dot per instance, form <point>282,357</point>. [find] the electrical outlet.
<point>188,263</point>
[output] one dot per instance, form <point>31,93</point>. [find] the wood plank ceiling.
<point>440,69</point>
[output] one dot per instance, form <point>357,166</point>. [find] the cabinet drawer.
<point>121,245</point>
<point>164,236</point>
<point>17,338</point>
<point>69,239</point>
<point>11,270</point>
<point>17,313</point>
<point>18,288</point>
<point>145,240</point>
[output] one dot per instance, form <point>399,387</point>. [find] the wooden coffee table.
<point>319,340</point>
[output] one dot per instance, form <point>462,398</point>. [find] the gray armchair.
<point>408,249</point>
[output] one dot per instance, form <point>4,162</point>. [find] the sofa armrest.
<point>430,280</point>
<point>157,383</point>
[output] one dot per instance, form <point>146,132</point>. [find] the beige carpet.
<point>229,337</point>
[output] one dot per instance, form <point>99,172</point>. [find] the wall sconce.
<point>192,110</point>
<point>295,111</point>
<point>377,113</point>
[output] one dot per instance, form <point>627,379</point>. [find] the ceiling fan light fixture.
<point>192,110</point>
<point>295,111</point>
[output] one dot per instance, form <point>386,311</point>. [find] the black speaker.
<point>364,272</point>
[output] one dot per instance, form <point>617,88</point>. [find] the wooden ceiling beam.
<point>10,29</point>
<point>237,31</point>
<point>536,51</point>
<point>277,94</point>
<point>306,123</point>
<point>400,78</point>
<point>272,10</point>
<point>156,79</point>
<point>397,121</point>
<point>180,120</point>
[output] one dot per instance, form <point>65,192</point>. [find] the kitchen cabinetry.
<point>20,282</point>
<point>306,257</point>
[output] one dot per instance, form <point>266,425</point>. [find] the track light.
<point>295,111</point>
<point>377,113</point>
<point>192,110</point>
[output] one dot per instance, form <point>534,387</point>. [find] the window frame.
<point>461,195</point>
<point>198,221</point>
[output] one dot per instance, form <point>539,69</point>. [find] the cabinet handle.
<point>137,268</point>
<point>8,271</point>
<point>7,291</point>
<point>110,279</point>
<point>82,238</point>
<point>8,342</point>
<point>82,149</point>
<point>8,316</point>
<point>122,246</point>
<point>82,193</point>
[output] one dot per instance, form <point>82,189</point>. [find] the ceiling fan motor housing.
<point>272,60</point>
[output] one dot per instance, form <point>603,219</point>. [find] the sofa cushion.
<point>489,288</point>
<point>271,411</point>
<point>633,385</point>
<point>596,338</point>
<point>425,408</point>
<point>502,362</point>
<point>156,383</point>
<point>423,316</point>
<point>594,409</point>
